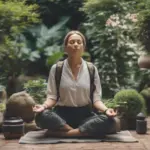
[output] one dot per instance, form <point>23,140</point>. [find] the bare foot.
<point>70,133</point>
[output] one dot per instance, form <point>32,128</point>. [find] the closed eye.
<point>73,41</point>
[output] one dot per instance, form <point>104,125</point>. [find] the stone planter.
<point>144,61</point>
<point>128,123</point>
<point>131,121</point>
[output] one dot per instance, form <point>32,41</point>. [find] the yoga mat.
<point>38,137</point>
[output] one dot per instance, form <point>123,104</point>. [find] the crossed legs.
<point>59,128</point>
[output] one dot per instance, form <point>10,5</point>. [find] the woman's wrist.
<point>105,110</point>
<point>45,106</point>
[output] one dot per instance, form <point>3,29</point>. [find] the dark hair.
<point>74,32</point>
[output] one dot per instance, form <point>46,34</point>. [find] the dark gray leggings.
<point>82,118</point>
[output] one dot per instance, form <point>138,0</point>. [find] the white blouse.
<point>73,93</point>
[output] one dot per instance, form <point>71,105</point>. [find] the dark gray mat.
<point>37,137</point>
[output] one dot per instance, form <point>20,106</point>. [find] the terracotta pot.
<point>144,61</point>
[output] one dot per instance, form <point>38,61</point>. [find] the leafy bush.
<point>146,94</point>
<point>86,56</point>
<point>144,24</point>
<point>37,89</point>
<point>2,107</point>
<point>111,30</point>
<point>15,16</point>
<point>110,103</point>
<point>134,101</point>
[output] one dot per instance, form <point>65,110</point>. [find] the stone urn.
<point>144,61</point>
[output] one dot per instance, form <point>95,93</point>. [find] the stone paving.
<point>143,144</point>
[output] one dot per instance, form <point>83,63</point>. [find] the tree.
<point>15,16</point>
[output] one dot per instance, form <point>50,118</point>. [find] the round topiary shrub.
<point>146,94</point>
<point>134,101</point>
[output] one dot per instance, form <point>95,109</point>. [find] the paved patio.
<point>143,144</point>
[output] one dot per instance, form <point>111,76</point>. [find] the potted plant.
<point>134,104</point>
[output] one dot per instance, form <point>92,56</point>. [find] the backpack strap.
<point>91,70</point>
<point>58,73</point>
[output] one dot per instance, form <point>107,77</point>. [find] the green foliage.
<point>52,10</point>
<point>2,87</point>
<point>134,101</point>
<point>144,81</point>
<point>146,93</point>
<point>15,16</point>
<point>55,57</point>
<point>111,32</point>
<point>143,9</point>
<point>110,103</point>
<point>3,81</point>
<point>2,107</point>
<point>86,56</point>
<point>45,41</point>
<point>144,28</point>
<point>23,42</point>
<point>37,89</point>
<point>107,6</point>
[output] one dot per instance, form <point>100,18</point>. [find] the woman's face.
<point>75,46</point>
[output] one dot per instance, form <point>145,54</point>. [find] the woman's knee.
<point>49,120</point>
<point>98,125</point>
<point>106,121</point>
<point>39,118</point>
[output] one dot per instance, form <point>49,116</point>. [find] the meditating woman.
<point>72,115</point>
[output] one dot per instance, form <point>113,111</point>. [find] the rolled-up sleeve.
<point>51,86</point>
<point>97,95</point>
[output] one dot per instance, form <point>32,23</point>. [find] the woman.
<point>72,115</point>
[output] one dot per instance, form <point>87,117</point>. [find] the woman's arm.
<point>51,89</point>
<point>49,103</point>
<point>100,106</point>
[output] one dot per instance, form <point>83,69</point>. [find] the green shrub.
<point>110,103</point>
<point>2,107</point>
<point>146,94</point>
<point>37,89</point>
<point>86,56</point>
<point>134,101</point>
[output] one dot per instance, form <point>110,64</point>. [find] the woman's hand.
<point>110,112</point>
<point>38,108</point>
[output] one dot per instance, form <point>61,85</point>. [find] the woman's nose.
<point>75,44</point>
